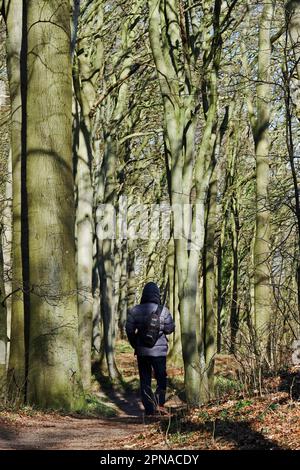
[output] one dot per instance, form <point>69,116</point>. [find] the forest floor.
<point>114,418</point>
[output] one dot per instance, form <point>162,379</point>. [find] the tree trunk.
<point>209,283</point>
<point>293,28</point>
<point>7,247</point>
<point>234,310</point>
<point>13,14</point>
<point>3,325</point>
<point>190,168</point>
<point>106,259</point>
<point>292,96</point>
<point>262,288</point>
<point>85,76</point>
<point>84,227</point>
<point>4,222</point>
<point>117,279</point>
<point>96,332</point>
<point>220,293</point>
<point>131,280</point>
<point>106,192</point>
<point>53,373</point>
<point>123,291</point>
<point>176,347</point>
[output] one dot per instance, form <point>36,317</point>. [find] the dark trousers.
<point>158,364</point>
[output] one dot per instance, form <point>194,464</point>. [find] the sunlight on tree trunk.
<point>85,74</point>
<point>190,169</point>
<point>262,288</point>
<point>293,27</point>
<point>3,326</point>
<point>15,49</point>
<point>53,376</point>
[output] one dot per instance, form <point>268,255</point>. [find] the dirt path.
<point>68,433</point>
<point>53,431</point>
<point>34,430</point>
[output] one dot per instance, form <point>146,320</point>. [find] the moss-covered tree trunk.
<point>53,370</point>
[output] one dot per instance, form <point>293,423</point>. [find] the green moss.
<point>122,347</point>
<point>180,438</point>
<point>95,407</point>
<point>242,404</point>
<point>91,406</point>
<point>225,386</point>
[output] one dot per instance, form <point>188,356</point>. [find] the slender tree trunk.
<point>96,332</point>
<point>209,283</point>
<point>234,309</point>
<point>152,261</point>
<point>131,283</point>
<point>114,111</point>
<point>7,247</point>
<point>220,294</point>
<point>117,279</point>
<point>293,83</point>
<point>171,274</point>
<point>53,370</point>
<point>176,347</point>
<point>84,226</point>
<point>3,228</point>
<point>85,76</point>
<point>106,261</point>
<point>293,29</point>
<point>84,233</point>
<point>3,325</point>
<point>262,288</point>
<point>13,14</point>
<point>123,291</point>
<point>171,285</point>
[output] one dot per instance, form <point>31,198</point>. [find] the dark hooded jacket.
<point>136,319</point>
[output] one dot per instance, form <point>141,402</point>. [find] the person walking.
<point>142,320</point>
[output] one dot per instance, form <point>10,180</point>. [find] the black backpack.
<point>151,328</point>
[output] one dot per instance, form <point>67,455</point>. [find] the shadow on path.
<point>58,432</point>
<point>127,400</point>
<point>7,434</point>
<point>221,432</point>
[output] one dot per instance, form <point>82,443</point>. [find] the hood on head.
<point>151,293</point>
